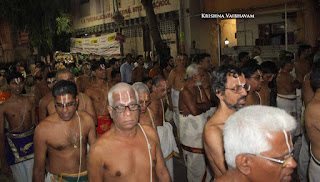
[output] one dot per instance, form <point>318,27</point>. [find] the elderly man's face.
<point>232,98</point>
<point>199,77</point>
<point>144,101</point>
<point>162,88</point>
<point>266,170</point>
<point>255,81</point>
<point>129,118</point>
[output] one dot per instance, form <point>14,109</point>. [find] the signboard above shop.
<point>129,12</point>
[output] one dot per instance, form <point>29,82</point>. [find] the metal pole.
<point>219,46</point>
<point>286,25</point>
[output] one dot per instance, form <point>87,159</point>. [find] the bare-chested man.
<point>269,70</point>
<point>61,139</point>
<point>84,81</point>
<point>286,87</point>
<point>16,142</point>
<point>129,151</point>
<point>40,88</point>
<point>98,92</point>
<point>139,72</point>
<point>113,65</point>
<point>302,67</point>
<point>158,107</point>
<point>312,116</point>
<point>205,63</point>
<point>44,102</point>
<point>166,71</point>
<point>307,95</point>
<point>85,103</point>
<point>146,115</point>
<point>253,74</point>
<point>193,103</point>
<point>229,85</point>
<point>176,81</point>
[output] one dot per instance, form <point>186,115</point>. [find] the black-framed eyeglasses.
<point>121,109</point>
<point>66,105</point>
<point>283,161</point>
<point>239,88</point>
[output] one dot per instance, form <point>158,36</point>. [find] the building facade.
<point>92,18</point>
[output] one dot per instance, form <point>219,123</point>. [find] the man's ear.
<point>110,111</point>
<point>244,163</point>
<point>219,94</point>
<point>153,88</point>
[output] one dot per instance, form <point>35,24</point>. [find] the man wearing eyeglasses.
<point>253,74</point>
<point>128,151</point>
<point>98,92</point>
<point>158,107</point>
<point>258,145</point>
<point>230,87</point>
<point>146,115</point>
<point>193,104</point>
<point>85,103</point>
<point>16,141</point>
<point>61,139</point>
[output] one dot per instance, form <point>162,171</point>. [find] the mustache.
<point>242,98</point>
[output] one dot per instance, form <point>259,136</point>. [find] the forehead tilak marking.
<point>102,66</point>
<point>17,80</point>
<point>287,140</point>
<point>62,97</point>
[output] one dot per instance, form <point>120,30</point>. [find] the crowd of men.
<point>113,120</point>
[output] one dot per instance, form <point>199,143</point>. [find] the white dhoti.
<point>314,169</point>
<point>303,161</point>
<point>168,146</point>
<point>175,104</point>
<point>22,172</point>
<point>289,104</point>
<point>299,111</point>
<point>191,130</point>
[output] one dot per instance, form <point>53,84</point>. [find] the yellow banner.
<point>111,38</point>
<point>93,41</point>
<point>79,41</point>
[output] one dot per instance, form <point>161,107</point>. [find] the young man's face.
<point>66,76</point>
<point>101,72</point>
<point>51,82</point>
<point>255,81</point>
<point>16,86</point>
<point>66,106</point>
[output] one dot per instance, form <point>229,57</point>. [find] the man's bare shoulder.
<point>150,132</point>
<point>87,118</point>
<point>212,130</point>
<point>47,98</point>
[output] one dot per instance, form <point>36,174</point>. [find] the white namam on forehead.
<point>17,80</point>
<point>120,88</point>
<point>247,130</point>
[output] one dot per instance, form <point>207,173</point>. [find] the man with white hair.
<point>258,145</point>
<point>193,103</point>
<point>128,151</point>
<point>229,85</point>
<point>146,115</point>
